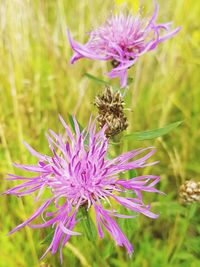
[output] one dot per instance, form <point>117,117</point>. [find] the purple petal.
<point>67,231</point>
<point>35,153</point>
<point>123,79</point>
<point>83,51</point>
<point>135,207</point>
<point>35,215</point>
<point>169,35</point>
<point>29,168</point>
<point>112,227</point>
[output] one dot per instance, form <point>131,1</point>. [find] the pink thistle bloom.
<point>122,40</point>
<point>79,173</point>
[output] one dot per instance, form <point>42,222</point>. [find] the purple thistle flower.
<point>122,39</point>
<point>79,173</point>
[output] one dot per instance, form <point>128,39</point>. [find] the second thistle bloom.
<point>122,39</point>
<point>77,175</point>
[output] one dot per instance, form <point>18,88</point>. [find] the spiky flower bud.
<point>190,192</point>
<point>111,112</point>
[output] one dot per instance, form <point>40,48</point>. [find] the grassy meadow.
<point>37,82</point>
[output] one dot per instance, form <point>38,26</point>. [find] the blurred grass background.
<point>37,82</point>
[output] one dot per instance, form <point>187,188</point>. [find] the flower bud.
<point>190,192</point>
<point>111,112</point>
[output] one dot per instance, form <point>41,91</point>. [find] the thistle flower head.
<point>122,39</point>
<point>79,173</point>
<point>190,192</point>
<point>111,112</point>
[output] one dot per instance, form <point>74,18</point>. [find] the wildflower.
<point>111,105</point>
<point>190,192</point>
<point>79,174</point>
<point>122,40</point>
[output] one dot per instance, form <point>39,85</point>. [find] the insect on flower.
<point>79,172</point>
<point>122,39</point>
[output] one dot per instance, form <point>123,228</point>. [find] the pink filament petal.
<point>79,174</point>
<point>122,39</point>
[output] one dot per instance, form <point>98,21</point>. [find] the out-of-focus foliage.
<point>37,82</point>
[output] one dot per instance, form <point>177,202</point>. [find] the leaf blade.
<point>151,134</point>
<point>96,79</point>
<point>88,225</point>
<point>71,121</point>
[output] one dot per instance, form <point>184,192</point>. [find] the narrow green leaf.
<point>184,255</point>
<point>108,250</point>
<point>132,174</point>
<point>139,136</point>
<point>95,79</point>
<point>88,225</point>
<point>72,123</point>
<point>48,238</point>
